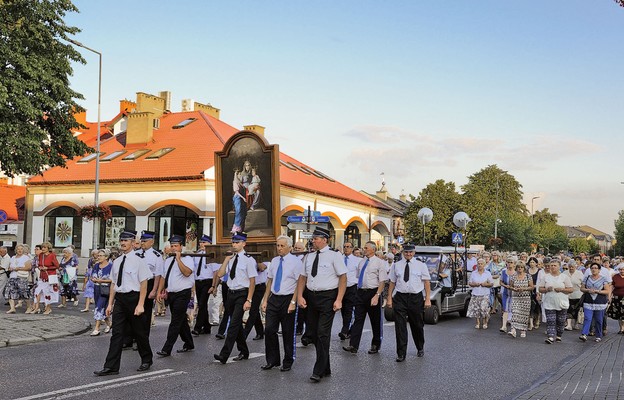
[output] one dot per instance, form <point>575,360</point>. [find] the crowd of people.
<point>298,292</point>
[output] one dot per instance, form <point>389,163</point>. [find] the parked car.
<point>436,257</point>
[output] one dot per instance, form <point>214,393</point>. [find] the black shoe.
<point>285,368</point>
<point>268,367</point>
<point>420,353</point>
<point>135,347</point>
<point>344,336</point>
<point>144,367</point>
<point>184,349</point>
<point>315,378</point>
<point>163,353</point>
<point>373,349</point>
<point>126,347</point>
<point>195,333</point>
<point>220,359</point>
<point>258,337</point>
<point>298,333</point>
<point>350,349</point>
<point>400,358</point>
<point>305,341</point>
<point>106,371</point>
<point>220,336</point>
<point>241,357</point>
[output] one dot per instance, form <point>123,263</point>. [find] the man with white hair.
<point>5,261</point>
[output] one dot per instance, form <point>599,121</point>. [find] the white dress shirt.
<point>352,265</point>
<point>330,267</point>
<point>374,273</point>
<point>135,271</point>
<point>417,274</point>
<point>177,282</point>
<point>203,269</point>
<point>291,269</point>
<point>154,261</point>
<point>245,268</point>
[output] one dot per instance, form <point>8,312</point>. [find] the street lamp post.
<point>532,200</point>
<point>96,197</point>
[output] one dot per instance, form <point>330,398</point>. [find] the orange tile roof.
<point>11,197</point>
<point>194,146</point>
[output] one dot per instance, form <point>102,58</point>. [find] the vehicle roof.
<point>442,249</point>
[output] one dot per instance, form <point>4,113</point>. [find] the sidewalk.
<point>17,329</point>
<point>596,374</point>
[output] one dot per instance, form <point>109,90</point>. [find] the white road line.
<point>91,385</point>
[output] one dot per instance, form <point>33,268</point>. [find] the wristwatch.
<point>292,302</point>
<point>249,301</point>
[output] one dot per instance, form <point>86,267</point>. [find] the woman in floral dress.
<point>521,285</point>
<point>101,279</point>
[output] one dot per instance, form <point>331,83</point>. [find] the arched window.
<point>109,231</point>
<point>178,220</point>
<point>63,227</point>
<point>352,234</point>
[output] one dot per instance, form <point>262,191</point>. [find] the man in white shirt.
<point>5,261</point>
<point>350,297</point>
<point>127,293</point>
<point>203,287</point>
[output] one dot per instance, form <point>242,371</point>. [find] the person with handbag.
<point>555,288</point>
<point>48,279</point>
<point>596,289</point>
<point>100,276</point>
<point>576,277</point>
<point>68,273</point>
<point>616,311</point>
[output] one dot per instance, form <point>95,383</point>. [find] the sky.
<point>404,91</point>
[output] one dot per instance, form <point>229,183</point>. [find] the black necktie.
<point>406,276</point>
<point>169,272</point>
<point>123,261</point>
<point>315,264</point>
<point>233,269</point>
<point>201,260</point>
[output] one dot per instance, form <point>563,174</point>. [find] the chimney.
<point>166,95</point>
<point>403,198</point>
<point>140,128</point>
<point>207,109</point>
<point>151,104</point>
<point>255,129</point>
<point>382,193</point>
<point>127,106</point>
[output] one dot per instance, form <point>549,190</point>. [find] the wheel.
<point>389,314</point>
<point>464,311</point>
<point>432,315</point>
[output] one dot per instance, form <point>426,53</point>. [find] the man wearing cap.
<point>410,277</point>
<point>279,305</point>
<point>325,275</point>
<point>177,284</point>
<point>204,272</point>
<point>349,299</point>
<point>128,292</point>
<point>371,279</point>
<point>241,269</point>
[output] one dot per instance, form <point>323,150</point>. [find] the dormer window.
<point>184,123</point>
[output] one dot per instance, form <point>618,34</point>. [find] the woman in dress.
<point>68,267</point>
<point>576,277</point>
<point>506,276</point>
<point>100,276</point>
<point>48,285</point>
<point>596,288</point>
<point>536,309</point>
<point>87,285</point>
<point>16,288</point>
<point>35,279</point>
<point>521,285</point>
<point>555,289</point>
<point>479,307</point>
<point>616,311</point>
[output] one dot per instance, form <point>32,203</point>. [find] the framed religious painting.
<point>247,187</point>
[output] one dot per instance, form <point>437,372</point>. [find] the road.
<point>460,362</point>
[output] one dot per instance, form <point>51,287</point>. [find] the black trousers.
<point>254,320</point>
<point>123,316</point>
<point>320,320</point>
<point>234,307</point>
<point>409,307</point>
<point>277,314</point>
<point>178,304</point>
<point>202,325</point>
<point>223,325</point>
<point>348,306</point>
<point>302,313</point>
<point>146,317</point>
<point>362,308</point>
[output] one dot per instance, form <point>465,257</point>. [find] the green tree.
<point>549,236</point>
<point>515,232</point>
<point>36,102</point>
<point>619,233</point>
<point>579,245</point>
<point>489,195</point>
<point>442,198</point>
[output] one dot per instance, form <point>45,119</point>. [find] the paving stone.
<point>23,340</point>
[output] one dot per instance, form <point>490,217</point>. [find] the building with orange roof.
<point>157,172</point>
<point>12,199</point>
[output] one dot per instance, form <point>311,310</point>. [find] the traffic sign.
<point>295,218</point>
<point>400,239</point>
<point>319,218</point>
<point>456,238</point>
<point>305,235</point>
<point>297,226</point>
<point>3,216</point>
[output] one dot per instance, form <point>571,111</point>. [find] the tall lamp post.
<point>532,200</point>
<point>96,197</point>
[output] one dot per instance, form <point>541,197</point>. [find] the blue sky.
<point>418,90</point>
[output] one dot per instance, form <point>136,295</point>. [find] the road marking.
<point>104,385</point>
<point>251,356</point>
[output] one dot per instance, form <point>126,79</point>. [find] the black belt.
<point>281,295</point>
<point>237,290</point>
<point>261,284</point>
<point>204,280</point>
<point>367,289</point>
<point>127,293</point>
<point>322,291</point>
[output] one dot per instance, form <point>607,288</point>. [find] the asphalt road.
<point>460,362</point>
